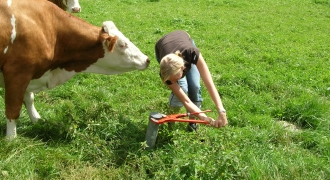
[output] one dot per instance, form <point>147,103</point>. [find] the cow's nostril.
<point>148,61</point>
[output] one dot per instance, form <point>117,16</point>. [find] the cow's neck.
<point>78,44</point>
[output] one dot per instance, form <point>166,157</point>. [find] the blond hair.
<point>170,65</point>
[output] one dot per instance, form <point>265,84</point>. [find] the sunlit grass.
<point>269,60</point>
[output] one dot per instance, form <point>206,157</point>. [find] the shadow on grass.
<point>47,130</point>
<point>113,142</point>
<point>132,137</point>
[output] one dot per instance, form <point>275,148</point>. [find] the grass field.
<point>269,60</point>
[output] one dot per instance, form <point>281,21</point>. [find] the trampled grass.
<point>269,60</point>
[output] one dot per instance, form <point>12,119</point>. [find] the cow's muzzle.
<point>76,9</point>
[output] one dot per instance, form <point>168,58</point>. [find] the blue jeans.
<point>190,84</point>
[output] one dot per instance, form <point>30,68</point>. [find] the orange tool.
<point>176,118</point>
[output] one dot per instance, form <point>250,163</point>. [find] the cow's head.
<point>72,6</point>
<point>121,55</point>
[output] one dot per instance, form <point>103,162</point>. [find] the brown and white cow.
<point>71,6</point>
<point>41,50</point>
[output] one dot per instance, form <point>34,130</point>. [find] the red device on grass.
<point>178,118</point>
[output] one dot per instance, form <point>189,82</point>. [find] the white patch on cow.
<point>11,129</point>
<point>50,80</point>
<point>108,26</point>
<point>28,102</point>
<point>13,32</point>
<point>9,2</point>
<point>5,51</point>
<point>122,59</point>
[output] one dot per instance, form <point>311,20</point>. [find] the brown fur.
<point>57,40</point>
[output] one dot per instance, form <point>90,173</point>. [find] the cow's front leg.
<point>15,87</point>
<point>29,104</point>
<point>13,108</point>
<point>11,129</point>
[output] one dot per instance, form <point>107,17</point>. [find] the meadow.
<point>269,59</point>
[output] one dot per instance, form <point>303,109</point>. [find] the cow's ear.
<point>110,42</point>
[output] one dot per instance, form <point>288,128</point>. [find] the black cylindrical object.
<point>152,130</point>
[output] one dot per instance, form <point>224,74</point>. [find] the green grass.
<point>269,60</point>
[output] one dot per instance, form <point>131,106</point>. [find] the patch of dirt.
<point>288,126</point>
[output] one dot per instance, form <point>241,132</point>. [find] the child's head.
<point>171,65</point>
